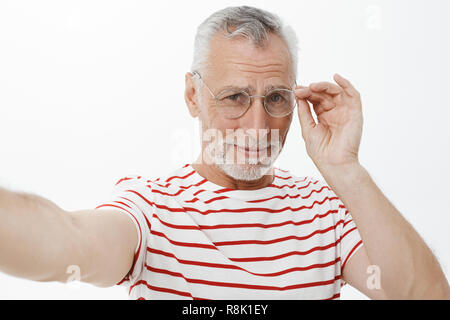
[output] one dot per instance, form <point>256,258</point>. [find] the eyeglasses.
<point>232,104</point>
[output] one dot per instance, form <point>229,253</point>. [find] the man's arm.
<point>39,241</point>
<point>408,268</point>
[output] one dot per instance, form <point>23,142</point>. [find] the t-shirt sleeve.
<point>349,238</point>
<point>133,197</point>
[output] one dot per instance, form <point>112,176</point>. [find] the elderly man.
<point>230,225</point>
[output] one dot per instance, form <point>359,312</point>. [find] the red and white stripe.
<point>198,240</point>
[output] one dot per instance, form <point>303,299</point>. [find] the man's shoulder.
<point>175,176</point>
<point>308,187</point>
<point>288,177</point>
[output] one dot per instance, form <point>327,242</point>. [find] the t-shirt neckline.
<point>237,193</point>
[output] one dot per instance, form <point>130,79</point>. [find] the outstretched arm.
<point>40,241</point>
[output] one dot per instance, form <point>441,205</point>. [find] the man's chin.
<point>247,171</point>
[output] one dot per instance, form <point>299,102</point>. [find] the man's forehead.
<point>240,58</point>
<point>239,81</point>
<point>232,78</point>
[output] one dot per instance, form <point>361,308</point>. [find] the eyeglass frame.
<point>196,73</point>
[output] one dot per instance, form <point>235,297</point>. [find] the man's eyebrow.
<point>281,86</point>
<point>250,89</point>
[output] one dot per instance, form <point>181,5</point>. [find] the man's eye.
<point>235,97</point>
<point>276,97</point>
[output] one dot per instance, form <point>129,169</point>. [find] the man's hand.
<point>335,139</point>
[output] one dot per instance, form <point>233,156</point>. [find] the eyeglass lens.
<point>232,104</point>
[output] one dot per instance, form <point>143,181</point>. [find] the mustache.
<point>252,143</point>
<point>255,146</point>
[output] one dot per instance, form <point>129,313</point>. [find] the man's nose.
<point>257,117</point>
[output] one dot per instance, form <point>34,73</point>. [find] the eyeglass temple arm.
<point>195,73</point>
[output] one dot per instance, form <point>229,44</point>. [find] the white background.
<point>91,91</point>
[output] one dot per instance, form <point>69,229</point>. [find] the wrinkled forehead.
<point>240,61</point>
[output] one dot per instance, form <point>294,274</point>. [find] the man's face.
<point>245,152</point>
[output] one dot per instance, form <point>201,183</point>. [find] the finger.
<point>319,95</point>
<point>307,93</point>
<point>326,87</point>
<point>321,101</point>
<point>346,85</point>
<point>305,116</point>
<point>318,108</point>
<point>302,92</point>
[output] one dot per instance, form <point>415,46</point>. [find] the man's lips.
<point>251,151</point>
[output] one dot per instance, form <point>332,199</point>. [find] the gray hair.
<point>252,23</point>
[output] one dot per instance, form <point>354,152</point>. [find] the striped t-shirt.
<point>199,240</point>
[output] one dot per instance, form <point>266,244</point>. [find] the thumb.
<point>305,116</point>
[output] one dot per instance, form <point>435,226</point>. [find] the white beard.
<point>221,153</point>
<point>244,172</point>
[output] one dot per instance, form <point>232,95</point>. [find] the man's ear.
<point>191,95</point>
